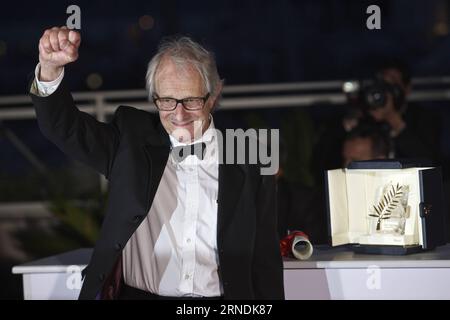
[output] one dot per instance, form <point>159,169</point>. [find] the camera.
<point>373,94</point>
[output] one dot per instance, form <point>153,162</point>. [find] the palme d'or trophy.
<point>389,215</point>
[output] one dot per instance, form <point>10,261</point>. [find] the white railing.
<point>253,96</point>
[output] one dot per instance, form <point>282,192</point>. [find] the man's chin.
<point>185,132</point>
<point>182,134</point>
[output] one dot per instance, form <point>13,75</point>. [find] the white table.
<point>338,273</point>
<point>331,273</point>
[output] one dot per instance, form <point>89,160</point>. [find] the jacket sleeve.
<point>77,134</point>
<point>267,263</point>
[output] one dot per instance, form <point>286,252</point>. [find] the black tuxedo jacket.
<point>132,151</point>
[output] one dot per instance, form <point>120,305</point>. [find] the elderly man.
<point>186,227</point>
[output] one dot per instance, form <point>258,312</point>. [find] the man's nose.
<point>179,111</point>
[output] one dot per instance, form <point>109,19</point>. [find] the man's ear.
<point>218,91</point>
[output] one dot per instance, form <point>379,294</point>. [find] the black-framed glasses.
<point>170,104</point>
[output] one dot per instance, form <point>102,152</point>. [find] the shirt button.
<point>187,277</point>
<point>188,240</point>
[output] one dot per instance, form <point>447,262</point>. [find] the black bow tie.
<point>181,152</point>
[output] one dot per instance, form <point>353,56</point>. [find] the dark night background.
<point>255,42</point>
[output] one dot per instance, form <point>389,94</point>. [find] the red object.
<point>286,243</point>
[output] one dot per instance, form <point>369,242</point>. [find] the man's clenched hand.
<point>57,47</point>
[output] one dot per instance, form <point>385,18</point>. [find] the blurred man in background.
<point>365,142</point>
<point>414,131</point>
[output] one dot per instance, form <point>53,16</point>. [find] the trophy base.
<point>388,250</point>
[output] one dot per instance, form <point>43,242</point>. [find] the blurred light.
<point>440,29</point>
<point>94,81</point>
<point>2,47</point>
<point>350,86</point>
<point>146,22</point>
<point>440,26</point>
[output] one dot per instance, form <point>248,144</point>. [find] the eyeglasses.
<point>170,104</point>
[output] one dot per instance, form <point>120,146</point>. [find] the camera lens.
<point>375,97</point>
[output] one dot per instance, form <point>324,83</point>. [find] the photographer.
<point>414,131</point>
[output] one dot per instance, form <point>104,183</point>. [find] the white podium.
<point>331,273</point>
<point>54,278</point>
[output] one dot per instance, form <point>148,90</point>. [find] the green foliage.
<point>74,201</point>
<point>75,224</point>
<point>83,219</point>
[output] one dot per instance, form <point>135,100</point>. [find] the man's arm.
<point>267,263</point>
<point>76,133</point>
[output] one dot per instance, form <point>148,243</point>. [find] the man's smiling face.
<point>177,82</point>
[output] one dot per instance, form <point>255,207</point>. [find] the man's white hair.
<point>185,52</point>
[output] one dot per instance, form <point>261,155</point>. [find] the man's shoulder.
<point>131,116</point>
<point>128,112</point>
<point>136,123</point>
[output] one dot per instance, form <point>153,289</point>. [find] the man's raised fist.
<point>57,47</point>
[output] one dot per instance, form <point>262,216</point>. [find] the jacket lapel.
<point>231,182</point>
<point>157,152</point>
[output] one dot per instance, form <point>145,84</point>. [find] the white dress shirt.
<point>174,250</point>
<point>42,88</point>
